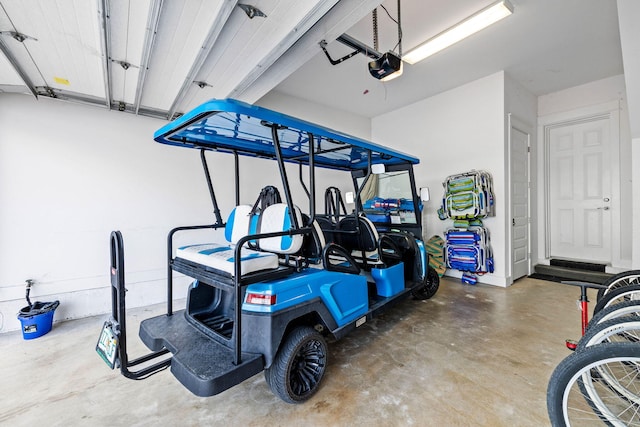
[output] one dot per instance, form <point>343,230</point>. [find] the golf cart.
<point>285,278</point>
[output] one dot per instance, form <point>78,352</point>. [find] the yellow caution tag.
<point>61,81</point>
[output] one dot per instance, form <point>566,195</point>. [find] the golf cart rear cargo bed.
<point>201,364</point>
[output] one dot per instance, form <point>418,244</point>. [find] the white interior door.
<point>579,192</point>
<point>519,139</point>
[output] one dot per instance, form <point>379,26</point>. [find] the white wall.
<point>586,95</point>
<point>635,227</point>
<point>453,132</point>
<point>628,12</point>
<point>589,97</point>
<point>70,174</point>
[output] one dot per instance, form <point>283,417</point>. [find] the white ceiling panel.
<point>183,29</point>
<point>247,47</point>
<point>128,21</point>
<point>18,51</point>
<point>124,83</point>
<point>237,23</point>
<point>67,49</point>
<point>21,55</point>
<point>546,45</point>
<point>8,75</point>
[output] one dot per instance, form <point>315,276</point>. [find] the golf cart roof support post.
<point>312,179</point>
<point>416,199</point>
<point>216,211</point>
<point>304,186</point>
<point>283,175</point>
<point>361,187</point>
<point>236,164</point>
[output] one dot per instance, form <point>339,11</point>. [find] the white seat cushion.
<point>220,257</point>
<point>276,218</point>
<point>239,224</point>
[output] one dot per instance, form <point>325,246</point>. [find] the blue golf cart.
<point>286,277</point>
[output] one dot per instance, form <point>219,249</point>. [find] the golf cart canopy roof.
<point>232,126</point>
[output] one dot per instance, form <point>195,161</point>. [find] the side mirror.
<point>424,194</point>
<point>349,197</point>
<point>377,169</point>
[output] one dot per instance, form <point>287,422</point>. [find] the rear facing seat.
<point>241,222</point>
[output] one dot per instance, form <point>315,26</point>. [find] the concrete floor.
<point>471,356</point>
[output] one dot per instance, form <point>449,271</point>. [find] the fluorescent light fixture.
<point>463,29</point>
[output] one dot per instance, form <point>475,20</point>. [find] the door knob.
<point>604,208</point>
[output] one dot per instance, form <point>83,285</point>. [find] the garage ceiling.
<point>162,58</point>
<point>545,45</point>
<point>153,57</point>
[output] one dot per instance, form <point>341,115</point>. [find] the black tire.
<point>573,378</point>
<point>625,278</point>
<point>622,329</point>
<point>621,309</point>
<point>429,287</point>
<point>625,293</point>
<point>619,330</point>
<point>296,371</point>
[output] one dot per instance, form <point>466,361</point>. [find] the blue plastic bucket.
<point>37,319</point>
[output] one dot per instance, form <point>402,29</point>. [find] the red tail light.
<point>261,299</point>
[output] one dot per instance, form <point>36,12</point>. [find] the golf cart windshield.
<point>389,194</point>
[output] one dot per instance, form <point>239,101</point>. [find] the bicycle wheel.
<point>577,395</point>
<point>625,278</point>
<point>621,309</point>
<point>625,293</point>
<point>622,329</point>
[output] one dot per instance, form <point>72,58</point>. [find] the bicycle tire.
<point>621,309</point>
<point>626,278</point>
<point>622,329</point>
<point>567,405</point>
<point>625,293</point>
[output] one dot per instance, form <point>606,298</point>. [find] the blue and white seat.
<point>276,218</point>
<point>241,222</point>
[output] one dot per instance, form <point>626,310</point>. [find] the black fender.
<point>272,328</point>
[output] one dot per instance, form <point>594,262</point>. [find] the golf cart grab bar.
<point>170,258</point>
